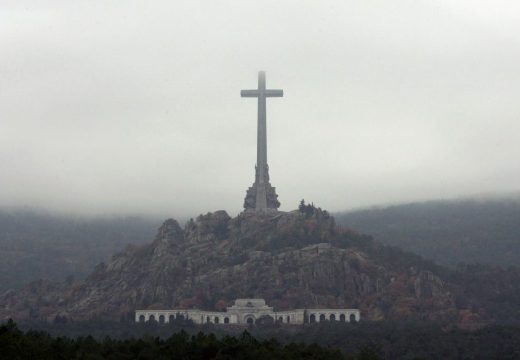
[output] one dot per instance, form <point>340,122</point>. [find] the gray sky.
<point>134,106</point>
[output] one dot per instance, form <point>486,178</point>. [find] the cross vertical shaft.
<point>261,195</point>
<point>261,149</point>
<point>261,145</point>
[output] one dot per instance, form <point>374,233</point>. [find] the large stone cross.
<point>262,195</point>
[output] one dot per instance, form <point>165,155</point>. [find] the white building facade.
<point>247,312</point>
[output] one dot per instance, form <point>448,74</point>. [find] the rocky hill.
<point>292,259</point>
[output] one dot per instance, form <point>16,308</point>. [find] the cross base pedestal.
<point>270,192</point>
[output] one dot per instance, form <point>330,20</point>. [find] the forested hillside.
<point>36,245</point>
<point>448,232</point>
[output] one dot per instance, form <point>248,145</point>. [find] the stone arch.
<point>226,320</point>
<point>352,318</point>
<point>141,318</point>
<point>171,318</point>
<point>180,316</point>
<point>161,319</point>
<point>280,319</point>
<point>312,318</point>
<point>288,318</point>
<point>342,317</point>
<point>208,319</point>
<point>151,318</point>
<point>250,319</point>
<point>322,317</point>
<point>332,317</point>
<point>217,320</point>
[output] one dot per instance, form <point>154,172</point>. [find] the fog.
<point>134,107</point>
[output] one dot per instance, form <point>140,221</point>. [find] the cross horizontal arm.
<point>257,93</point>
<point>273,93</point>
<point>249,93</point>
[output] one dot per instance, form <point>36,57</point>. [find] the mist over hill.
<point>485,231</point>
<point>36,244</point>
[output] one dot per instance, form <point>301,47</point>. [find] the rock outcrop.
<point>296,259</point>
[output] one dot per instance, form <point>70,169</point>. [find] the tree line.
<point>325,340</point>
<point>16,344</point>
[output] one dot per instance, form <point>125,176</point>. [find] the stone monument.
<point>261,196</point>
<point>248,312</point>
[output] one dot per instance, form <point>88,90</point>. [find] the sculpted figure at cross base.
<point>261,196</point>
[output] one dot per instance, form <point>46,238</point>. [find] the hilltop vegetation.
<point>447,232</point>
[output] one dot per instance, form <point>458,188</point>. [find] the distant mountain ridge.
<point>485,231</point>
<point>35,244</point>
